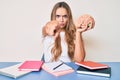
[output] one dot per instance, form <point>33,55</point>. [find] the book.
<point>92,65</point>
<point>57,68</point>
<point>106,72</point>
<point>13,71</point>
<point>31,65</point>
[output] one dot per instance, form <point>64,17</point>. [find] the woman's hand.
<point>84,23</point>
<point>51,29</point>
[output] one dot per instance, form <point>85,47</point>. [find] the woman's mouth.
<point>62,24</point>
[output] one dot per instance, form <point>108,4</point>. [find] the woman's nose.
<point>61,19</point>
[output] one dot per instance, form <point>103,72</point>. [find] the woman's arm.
<point>79,48</point>
<point>44,33</point>
<point>84,23</point>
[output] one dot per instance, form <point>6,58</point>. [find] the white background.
<point>21,22</point>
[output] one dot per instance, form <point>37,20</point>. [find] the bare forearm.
<point>79,47</point>
<point>44,31</point>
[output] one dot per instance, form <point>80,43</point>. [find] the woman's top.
<point>48,43</point>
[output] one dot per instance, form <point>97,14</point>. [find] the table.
<point>42,75</point>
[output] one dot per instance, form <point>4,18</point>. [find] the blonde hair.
<point>69,33</point>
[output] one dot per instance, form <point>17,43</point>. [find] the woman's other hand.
<point>84,23</point>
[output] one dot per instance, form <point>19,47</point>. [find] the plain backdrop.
<point>21,22</point>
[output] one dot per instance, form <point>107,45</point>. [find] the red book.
<point>92,65</point>
<point>31,65</point>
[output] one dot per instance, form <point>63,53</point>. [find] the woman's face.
<point>62,17</point>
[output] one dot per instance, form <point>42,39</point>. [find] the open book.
<point>57,68</point>
<point>13,71</point>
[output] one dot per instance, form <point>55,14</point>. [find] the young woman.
<point>62,39</point>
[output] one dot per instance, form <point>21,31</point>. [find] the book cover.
<point>13,71</point>
<point>31,65</point>
<point>57,68</point>
<point>106,72</point>
<point>92,65</point>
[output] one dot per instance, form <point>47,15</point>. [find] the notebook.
<point>92,65</point>
<point>57,68</point>
<point>31,65</point>
<point>106,72</point>
<point>13,71</point>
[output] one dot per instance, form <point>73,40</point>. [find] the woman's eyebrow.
<point>58,15</point>
<point>62,15</point>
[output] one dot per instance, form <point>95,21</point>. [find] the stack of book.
<point>21,69</point>
<point>93,68</point>
<point>57,68</point>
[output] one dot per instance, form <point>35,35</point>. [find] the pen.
<point>58,66</point>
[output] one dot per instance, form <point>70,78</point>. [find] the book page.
<point>52,65</point>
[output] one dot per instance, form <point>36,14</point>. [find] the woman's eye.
<point>65,16</point>
<point>57,16</point>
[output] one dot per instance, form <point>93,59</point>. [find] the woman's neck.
<point>62,30</point>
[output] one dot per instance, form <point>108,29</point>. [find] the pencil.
<point>58,66</point>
